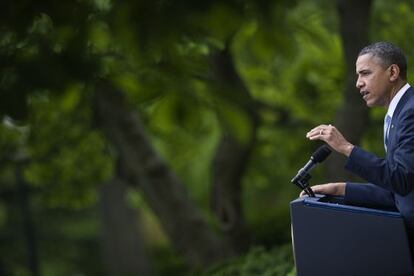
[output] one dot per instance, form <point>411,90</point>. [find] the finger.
<point>314,132</point>
<point>322,126</point>
<point>319,130</point>
<point>313,136</point>
<point>317,136</point>
<point>302,194</point>
<point>323,189</point>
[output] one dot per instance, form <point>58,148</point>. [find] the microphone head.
<point>321,153</point>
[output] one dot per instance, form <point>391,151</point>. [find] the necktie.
<point>387,122</point>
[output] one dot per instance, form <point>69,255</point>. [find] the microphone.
<point>302,177</point>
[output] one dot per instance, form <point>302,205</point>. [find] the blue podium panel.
<point>330,238</point>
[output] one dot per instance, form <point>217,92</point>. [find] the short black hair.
<point>389,54</point>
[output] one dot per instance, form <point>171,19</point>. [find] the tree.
<point>163,191</point>
<point>124,247</point>
<point>352,116</point>
<point>148,86</point>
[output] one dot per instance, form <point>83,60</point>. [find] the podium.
<point>330,238</point>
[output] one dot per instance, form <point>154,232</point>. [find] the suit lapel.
<point>394,122</point>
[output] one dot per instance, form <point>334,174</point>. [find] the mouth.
<point>364,94</point>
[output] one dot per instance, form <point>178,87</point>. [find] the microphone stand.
<point>303,183</point>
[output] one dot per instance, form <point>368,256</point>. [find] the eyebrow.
<point>363,71</point>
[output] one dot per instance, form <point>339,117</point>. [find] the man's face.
<point>373,81</point>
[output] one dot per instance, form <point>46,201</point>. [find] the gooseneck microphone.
<point>302,177</point>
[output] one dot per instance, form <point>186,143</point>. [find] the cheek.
<point>372,83</point>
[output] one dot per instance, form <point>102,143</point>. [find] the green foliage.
<point>300,91</point>
<point>288,54</point>
<point>12,138</point>
<point>258,261</point>
<point>385,28</point>
<point>68,241</point>
<point>68,159</point>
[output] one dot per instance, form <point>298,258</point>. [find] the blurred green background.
<point>160,137</point>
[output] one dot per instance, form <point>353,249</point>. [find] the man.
<point>381,69</point>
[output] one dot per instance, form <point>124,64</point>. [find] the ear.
<point>394,72</point>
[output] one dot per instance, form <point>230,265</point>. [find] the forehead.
<point>367,61</point>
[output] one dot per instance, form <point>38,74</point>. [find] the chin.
<point>373,104</point>
<point>369,104</point>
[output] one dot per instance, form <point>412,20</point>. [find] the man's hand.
<point>332,137</point>
<point>336,189</point>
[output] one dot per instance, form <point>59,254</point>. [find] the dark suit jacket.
<point>391,179</point>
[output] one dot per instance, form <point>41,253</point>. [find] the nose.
<point>359,84</point>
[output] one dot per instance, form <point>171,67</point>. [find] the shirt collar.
<point>396,99</point>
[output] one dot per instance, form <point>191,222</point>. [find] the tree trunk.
<point>182,221</point>
<point>123,244</point>
<point>232,154</point>
<point>28,225</point>
<point>352,118</point>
